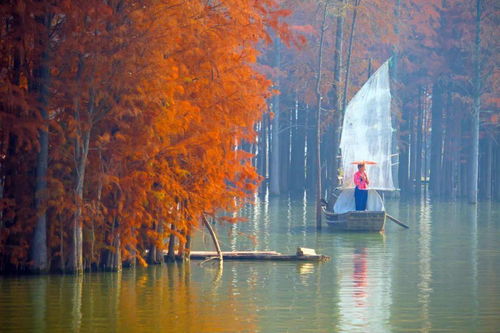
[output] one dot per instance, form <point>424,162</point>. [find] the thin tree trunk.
<point>284,150</point>
<point>488,179</point>
<point>339,114</point>
<point>424,144</point>
<point>477,109</point>
<point>349,52</point>
<point>311,149</point>
<point>404,154</point>
<point>214,238</point>
<point>496,170</point>
<point>413,144</point>
<point>418,152</point>
<point>447,141</point>
<point>398,112</point>
<point>436,140</point>
<point>263,151</point>
<point>297,172</point>
<point>275,150</point>
<point>318,119</point>
<point>455,171</point>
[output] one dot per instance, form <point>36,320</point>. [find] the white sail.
<point>367,132</point>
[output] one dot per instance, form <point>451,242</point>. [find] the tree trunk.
<point>349,52</point>
<point>311,149</point>
<point>455,167</point>
<point>496,170</point>
<point>262,155</point>
<point>187,247</point>
<point>413,148</point>
<point>418,152</point>
<point>488,179</point>
<point>404,138</point>
<point>284,149</point>
<point>318,119</point>
<point>297,174</point>
<point>171,245</point>
<point>76,256</point>
<point>39,247</point>
<point>339,112</point>
<point>476,109</point>
<point>425,121</point>
<point>436,140</point>
<point>397,110</point>
<point>214,238</point>
<point>275,150</point>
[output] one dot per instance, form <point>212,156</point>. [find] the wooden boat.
<point>366,136</point>
<point>359,221</point>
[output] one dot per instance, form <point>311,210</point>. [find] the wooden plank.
<point>257,255</point>
<point>230,253</point>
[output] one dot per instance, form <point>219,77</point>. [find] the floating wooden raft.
<point>260,255</point>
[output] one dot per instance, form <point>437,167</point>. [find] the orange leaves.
<point>163,92</point>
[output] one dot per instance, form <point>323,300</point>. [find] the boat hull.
<point>360,221</point>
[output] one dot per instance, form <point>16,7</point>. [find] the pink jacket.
<point>360,180</point>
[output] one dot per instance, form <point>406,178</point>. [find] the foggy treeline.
<point>444,70</point>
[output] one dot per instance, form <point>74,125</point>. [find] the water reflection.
<point>425,271</point>
<point>365,284</point>
<point>153,299</point>
<point>441,274</point>
<point>359,278</point>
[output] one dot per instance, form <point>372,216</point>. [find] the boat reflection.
<point>364,284</point>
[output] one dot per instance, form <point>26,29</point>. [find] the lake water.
<point>443,274</point>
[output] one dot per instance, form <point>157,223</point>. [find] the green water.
<point>440,275</point>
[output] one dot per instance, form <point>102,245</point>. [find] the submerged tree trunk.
<point>413,156</point>
<point>76,257</point>
<point>436,140</point>
<point>214,238</point>
<point>418,152</point>
<point>171,244</point>
<point>39,246</point>
<point>297,165</point>
<point>476,109</point>
<point>275,143</point>
<point>262,154</point>
<point>404,145</point>
<point>285,148</point>
<point>318,119</point>
<point>339,112</point>
<point>488,179</point>
<point>311,149</point>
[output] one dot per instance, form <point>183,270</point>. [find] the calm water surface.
<point>440,275</point>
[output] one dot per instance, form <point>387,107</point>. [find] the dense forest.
<point>118,125</point>
<point>445,74</point>
<point>124,123</point>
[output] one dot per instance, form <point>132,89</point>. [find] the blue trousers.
<point>360,197</point>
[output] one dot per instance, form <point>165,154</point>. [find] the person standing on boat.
<point>361,192</point>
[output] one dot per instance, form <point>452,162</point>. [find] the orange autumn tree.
<point>147,103</point>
